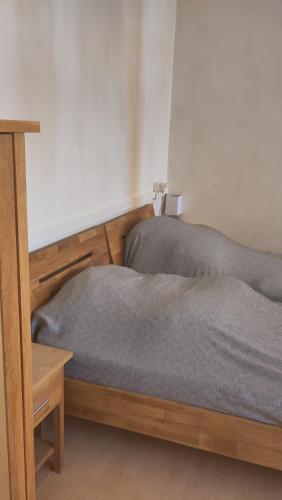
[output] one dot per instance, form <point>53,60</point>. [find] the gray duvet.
<point>166,245</point>
<point>211,342</point>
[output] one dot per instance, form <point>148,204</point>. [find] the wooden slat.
<point>118,229</point>
<point>66,258</point>
<point>55,256</point>
<point>24,304</point>
<point>227,435</point>
<point>13,126</point>
<point>42,451</point>
<point>11,329</point>
<point>52,266</point>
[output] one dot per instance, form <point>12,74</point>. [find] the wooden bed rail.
<point>208,430</point>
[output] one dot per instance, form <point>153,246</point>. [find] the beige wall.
<point>226,130</point>
<point>98,75</point>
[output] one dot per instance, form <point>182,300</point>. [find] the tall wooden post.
<point>15,336</point>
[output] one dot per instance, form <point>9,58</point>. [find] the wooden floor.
<point>102,463</point>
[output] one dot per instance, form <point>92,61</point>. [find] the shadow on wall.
<point>30,93</point>
<point>119,51</point>
<point>136,99</point>
<point>98,76</point>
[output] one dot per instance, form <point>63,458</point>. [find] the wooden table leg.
<point>59,437</point>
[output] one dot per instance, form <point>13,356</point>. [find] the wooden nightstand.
<point>48,396</point>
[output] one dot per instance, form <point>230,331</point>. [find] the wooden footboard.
<point>216,432</point>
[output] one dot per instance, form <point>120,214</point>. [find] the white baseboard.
<point>39,239</point>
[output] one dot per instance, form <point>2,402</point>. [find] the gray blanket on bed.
<point>211,342</point>
<point>166,245</point>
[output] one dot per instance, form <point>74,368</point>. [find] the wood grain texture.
<point>24,306</point>
<point>11,328</point>
<point>59,433</point>
<point>223,434</point>
<point>4,465</point>
<point>118,229</point>
<point>104,463</point>
<point>53,265</point>
<point>45,362</point>
<point>42,451</point>
<point>13,126</point>
<point>48,394</point>
<point>227,435</point>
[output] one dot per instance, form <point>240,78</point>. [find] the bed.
<point>167,245</point>
<point>214,431</point>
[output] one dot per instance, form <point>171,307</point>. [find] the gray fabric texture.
<point>166,245</point>
<point>210,342</point>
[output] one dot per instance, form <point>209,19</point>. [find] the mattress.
<point>210,342</point>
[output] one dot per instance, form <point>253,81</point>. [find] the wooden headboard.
<point>117,230</point>
<point>51,266</point>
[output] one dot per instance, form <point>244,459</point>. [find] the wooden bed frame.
<point>228,435</point>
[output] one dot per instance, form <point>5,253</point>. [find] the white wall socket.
<point>174,204</point>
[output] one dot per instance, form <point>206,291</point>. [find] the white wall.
<point>226,130</point>
<point>98,76</point>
